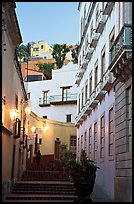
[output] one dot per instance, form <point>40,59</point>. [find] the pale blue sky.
<point>53,22</point>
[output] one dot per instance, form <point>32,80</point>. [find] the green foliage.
<point>46,68</point>
<point>59,53</point>
<point>23,51</point>
<point>75,55</point>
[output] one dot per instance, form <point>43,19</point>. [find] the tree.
<point>75,54</point>
<point>23,51</point>
<point>59,53</point>
<point>46,68</point>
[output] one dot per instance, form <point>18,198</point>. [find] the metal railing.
<point>122,42</point>
<point>43,101</point>
<point>61,98</point>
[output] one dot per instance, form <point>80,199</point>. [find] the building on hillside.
<point>55,99</point>
<point>13,102</point>
<point>104,94</point>
<point>41,49</point>
<point>30,69</point>
<point>47,135</point>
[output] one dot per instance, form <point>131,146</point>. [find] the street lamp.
<point>13,114</point>
<point>33,129</point>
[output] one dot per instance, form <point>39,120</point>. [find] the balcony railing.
<point>60,99</point>
<point>85,64</point>
<point>108,80</point>
<point>94,39</point>
<point>99,93</point>
<point>121,52</point>
<point>89,52</point>
<point>101,22</point>
<point>88,18</point>
<point>44,102</point>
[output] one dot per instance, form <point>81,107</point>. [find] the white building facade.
<point>100,25</point>
<point>55,99</point>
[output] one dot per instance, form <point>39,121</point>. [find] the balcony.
<point>108,8</point>
<point>88,109</point>
<point>101,22</point>
<point>93,101</point>
<point>108,80</point>
<point>85,64</point>
<point>60,100</point>
<point>44,102</point>
<point>121,54</point>
<point>83,114</point>
<point>89,52</point>
<point>99,93</point>
<point>81,73</point>
<point>77,81</point>
<point>94,39</point>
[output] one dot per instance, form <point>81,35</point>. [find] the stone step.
<point>52,198</point>
<point>54,192</point>
<point>44,175</point>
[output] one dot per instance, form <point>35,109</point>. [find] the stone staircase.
<point>44,183</point>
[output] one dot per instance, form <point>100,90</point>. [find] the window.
<point>86,90</point>
<point>129,111</point>
<point>44,116</point>
<point>90,143</point>
<point>68,118</point>
<point>111,133</point>
<point>41,46</point>
<point>82,98</point>
<point>96,75</point>
<point>28,95</point>
<point>82,54</point>
<point>102,62</point>
<point>91,29</point>
<point>86,41</point>
<point>45,97</point>
<point>102,6</point>
<point>84,14</point>
<point>85,141</point>
<point>16,101</point>
<point>102,137</point>
<point>95,141</point>
<point>79,104</point>
<point>34,78</point>
<point>81,142</point>
<point>97,14</point>
<point>73,141</point>
<point>111,37</point>
<point>36,49</point>
<point>65,93</point>
<point>90,86</point>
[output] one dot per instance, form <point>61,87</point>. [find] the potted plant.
<point>84,182</point>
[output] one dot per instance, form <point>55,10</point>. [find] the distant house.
<point>55,99</point>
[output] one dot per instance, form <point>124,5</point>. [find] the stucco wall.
<point>60,77</point>
<point>50,131</point>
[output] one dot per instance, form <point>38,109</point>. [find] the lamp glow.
<point>13,114</point>
<point>33,129</point>
<point>28,110</point>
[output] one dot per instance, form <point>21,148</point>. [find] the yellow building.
<point>41,49</point>
<point>49,135</point>
<point>13,102</point>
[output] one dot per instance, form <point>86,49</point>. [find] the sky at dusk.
<point>53,22</point>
